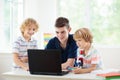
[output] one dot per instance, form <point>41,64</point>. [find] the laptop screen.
<point>44,61</point>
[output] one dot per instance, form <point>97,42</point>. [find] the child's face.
<point>81,43</point>
<point>29,31</point>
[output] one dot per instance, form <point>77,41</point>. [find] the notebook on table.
<point>46,62</point>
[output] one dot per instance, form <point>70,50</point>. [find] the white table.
<point>24,75</point>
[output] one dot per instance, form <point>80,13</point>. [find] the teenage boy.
<point>64,41</point>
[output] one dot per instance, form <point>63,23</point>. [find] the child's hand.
<point>76,70</point>
<point>70,68</point>
<point>26,68</point>
<point>24,59</point>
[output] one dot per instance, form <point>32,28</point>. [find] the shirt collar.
<point>23,39</point>
<point>89,52</point>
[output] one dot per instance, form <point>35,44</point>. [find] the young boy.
<point>24,42</point>
<point>86,53</point>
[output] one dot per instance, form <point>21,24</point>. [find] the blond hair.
<point>83,33</point>
<point>28,22</point>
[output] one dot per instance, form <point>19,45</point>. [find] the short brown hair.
<point>83,33</point>
<point>27,23</point>
<point>61,22</point>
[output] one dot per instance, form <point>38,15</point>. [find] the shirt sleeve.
<point>72,51</point>
<point>50,44</point>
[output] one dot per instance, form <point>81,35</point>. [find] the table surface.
<point>20,74</point>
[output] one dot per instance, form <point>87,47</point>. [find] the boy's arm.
<point>86,70</point>
<point>24,59</point>
<point>69,62</point>
<point>19,62</point>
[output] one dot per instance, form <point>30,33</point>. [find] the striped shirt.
<point>20,47</point>
<point>92,57</point>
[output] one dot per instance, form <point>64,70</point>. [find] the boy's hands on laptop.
<point>69,62</point>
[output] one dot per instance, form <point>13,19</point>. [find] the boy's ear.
<point>69,29</point>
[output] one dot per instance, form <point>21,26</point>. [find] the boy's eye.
<point>78,40</point>
<point>33,29</point>
<point>63,32</point>
<point>57,32</point>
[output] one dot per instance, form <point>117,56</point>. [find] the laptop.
<point>46,62</point>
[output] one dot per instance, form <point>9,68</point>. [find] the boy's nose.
<point>31,31</point>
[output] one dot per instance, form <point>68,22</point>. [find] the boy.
<point>64,41</point>
<point>24,42</point>
<point>89,56</point>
